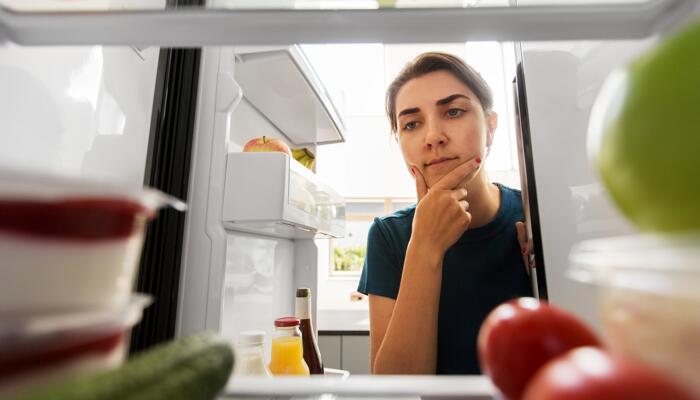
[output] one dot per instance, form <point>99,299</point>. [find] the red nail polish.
<point>478,160</point>
<point>523,250</point>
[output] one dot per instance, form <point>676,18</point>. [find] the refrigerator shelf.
<point>195,27</point>
<point>270,193</point>
<point>281,85</point>
<point>364,386</point>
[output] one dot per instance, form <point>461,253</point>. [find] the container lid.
<point>287,321</point>
<point>250,338</point>
<point>667,264</point>
<point>25,185</point>
<point>303,292</point>
<point>23,330</point>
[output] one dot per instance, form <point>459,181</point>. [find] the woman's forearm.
<point>409,345</point>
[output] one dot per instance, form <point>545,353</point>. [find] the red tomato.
<point>591,373</point>
<point>521,335</point>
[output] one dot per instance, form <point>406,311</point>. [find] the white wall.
<point>77,111</point>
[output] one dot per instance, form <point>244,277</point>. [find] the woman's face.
<point>441,124</point>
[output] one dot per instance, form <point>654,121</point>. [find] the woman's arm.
<point>404,332</point>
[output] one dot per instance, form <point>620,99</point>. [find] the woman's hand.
<point>442,213</point>
<point>525,246</point>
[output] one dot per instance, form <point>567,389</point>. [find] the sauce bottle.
<point>312,355</point>
<point>287,350</point>
<point>250,356</point>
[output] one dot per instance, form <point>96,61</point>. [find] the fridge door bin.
<point>272,194</point>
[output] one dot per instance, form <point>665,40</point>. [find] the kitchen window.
<point>347,254</point>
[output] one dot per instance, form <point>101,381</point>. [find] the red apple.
<point>266,144</point>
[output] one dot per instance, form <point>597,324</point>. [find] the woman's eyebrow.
<point>409,111</point>
<point>451,98</point>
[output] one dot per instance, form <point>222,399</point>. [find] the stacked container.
<point>69,254</point>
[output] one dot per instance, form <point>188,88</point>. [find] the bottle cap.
<point>287,321</point>
<point>303,292</point>
<point>249,338</point>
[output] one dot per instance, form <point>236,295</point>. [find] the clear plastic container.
<point>250,354</point>
<point>649,299</point>
<point>69,244</point>
<point>40,348</point>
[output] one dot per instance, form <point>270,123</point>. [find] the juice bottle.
<point>287,350</point>
<point>312,355</point>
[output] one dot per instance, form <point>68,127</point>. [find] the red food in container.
<point>68,244</point>
<point>41,348</point>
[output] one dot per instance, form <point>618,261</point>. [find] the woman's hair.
<point>436,61</point>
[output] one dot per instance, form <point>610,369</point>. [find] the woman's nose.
<point>435,136</point>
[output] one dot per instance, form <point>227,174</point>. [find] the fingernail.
<point>478,160</point>
<point>523,250</point>
<point>413,171</point>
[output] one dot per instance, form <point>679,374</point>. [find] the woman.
<point>433,271</point>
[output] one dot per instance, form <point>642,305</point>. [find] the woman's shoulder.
<point>398,217</point>
<point>510,196</point>
<point>509,191</point>
<point>396,227</point>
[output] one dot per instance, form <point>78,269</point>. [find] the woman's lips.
<point>438,164</point>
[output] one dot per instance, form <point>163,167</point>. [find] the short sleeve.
<point>381,274</point>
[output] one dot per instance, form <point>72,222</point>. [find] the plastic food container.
<point>41,348</point>
<point>68,244</point>
<point>650,298</point>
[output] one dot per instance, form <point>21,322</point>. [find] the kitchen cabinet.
<point>348,351</point>
<point>331,349</point>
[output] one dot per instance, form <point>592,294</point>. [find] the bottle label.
<point>302,308</point>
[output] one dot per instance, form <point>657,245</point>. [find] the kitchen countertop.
<point>354,320</point>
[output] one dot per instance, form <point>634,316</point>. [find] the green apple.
<point>646,131</point>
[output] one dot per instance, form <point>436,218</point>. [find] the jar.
<point>287,349</point>
<point>250,354</point>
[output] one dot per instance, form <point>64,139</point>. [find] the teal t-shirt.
<point>480,271</point>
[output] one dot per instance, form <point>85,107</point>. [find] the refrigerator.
<point>166,93</point>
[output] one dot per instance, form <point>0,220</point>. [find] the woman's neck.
<point>484,200</point>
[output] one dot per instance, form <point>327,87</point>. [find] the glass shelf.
<point>121,5</point>
<point>286,22</point>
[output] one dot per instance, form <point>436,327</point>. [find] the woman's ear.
<point>492,119</point>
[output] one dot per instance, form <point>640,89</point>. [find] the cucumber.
<point>193,368</point>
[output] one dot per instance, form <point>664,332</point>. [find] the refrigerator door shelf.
<point>364,386</point>
<point>281,84</point>
<point>270,193</point>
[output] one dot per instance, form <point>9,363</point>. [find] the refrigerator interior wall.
<point>77,111</point>
<point>562,81</point>
<point>233,281</point>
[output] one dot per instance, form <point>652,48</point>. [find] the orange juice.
<point>287,349</point>
<point>288,357</point>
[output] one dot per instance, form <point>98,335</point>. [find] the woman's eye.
<point>454,112</point>
<point>410,125</point>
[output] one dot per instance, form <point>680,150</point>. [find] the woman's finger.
<point>460,194</point>
<point>459,175</point>
<point>421,186</point>
<point>464,204</point>
<point>522,241</point>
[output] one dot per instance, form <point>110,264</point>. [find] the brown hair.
<point>436,61</point>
